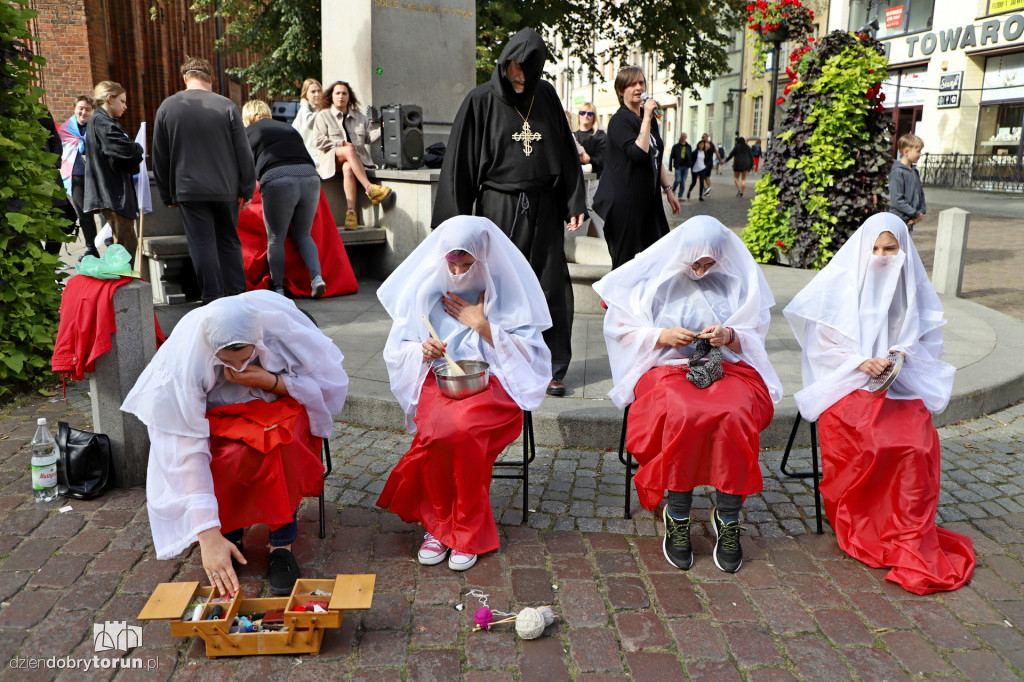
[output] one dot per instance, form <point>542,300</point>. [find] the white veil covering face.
<point>658,290</point>
<point>862,306</point>
<point>514,304</point>
<point>184,378</point>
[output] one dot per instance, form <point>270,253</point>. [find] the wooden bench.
<point>165,256</point>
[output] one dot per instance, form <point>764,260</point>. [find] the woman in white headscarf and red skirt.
<point>236,402</point>
<point>880,452</point>
<point>483,299</point>
<point>698,285</point>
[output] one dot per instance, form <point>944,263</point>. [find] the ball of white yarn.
<point>530,623</point>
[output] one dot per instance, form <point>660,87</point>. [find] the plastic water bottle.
<point>44,463</point>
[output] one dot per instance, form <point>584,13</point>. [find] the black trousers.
<point>533,221</point>
<point>212,231</point>
<point>85,221</point>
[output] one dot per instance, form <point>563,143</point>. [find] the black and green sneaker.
<point>677,541</point>
<point>728,553</point>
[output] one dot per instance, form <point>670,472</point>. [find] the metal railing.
<point>986,172</point>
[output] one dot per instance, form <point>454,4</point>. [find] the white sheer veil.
<point>514,304</point>
<point>658,290</point>
<point>862,306</point>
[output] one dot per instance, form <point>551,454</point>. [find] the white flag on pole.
<point>142,179</point>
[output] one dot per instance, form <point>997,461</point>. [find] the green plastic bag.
<point>115,262</point>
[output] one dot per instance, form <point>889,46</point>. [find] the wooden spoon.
<point>453,369</point>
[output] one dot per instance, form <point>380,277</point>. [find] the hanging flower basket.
<point>776,35</point>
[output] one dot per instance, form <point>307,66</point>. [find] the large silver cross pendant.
<point>527,137</point>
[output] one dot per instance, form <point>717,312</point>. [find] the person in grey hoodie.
<point>906,196</point>
<point>203,166</point>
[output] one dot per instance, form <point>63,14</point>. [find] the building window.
<point>693,124</point>
<point>709,119</point>
<point>895,17</point>
<point>999,128</point>
<point>755,125</point>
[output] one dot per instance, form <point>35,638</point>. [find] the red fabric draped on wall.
<point>334,263</point>
<point>880,461</point>
<point>684,436</point>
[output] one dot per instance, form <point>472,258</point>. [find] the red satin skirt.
<point>334,264</point>
<point>264,462</point>
<point>684,436</point>
<point>880,462</point>
<point>444,480</point>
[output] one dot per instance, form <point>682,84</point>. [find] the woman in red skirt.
<point>699,282</point>
<point>485,303</point>
<point>880,452</point>
<point>236,402</point>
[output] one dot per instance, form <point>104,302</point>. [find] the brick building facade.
<point>87,41</point>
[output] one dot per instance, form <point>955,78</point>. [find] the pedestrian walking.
<point>511,158</point>
<point>114,158</point>
<point>699,170</point>
<point>680,161</point>
<point>755,152</point>
<point>635,177</point>
<point>742,161</point>
<point>203,166</point>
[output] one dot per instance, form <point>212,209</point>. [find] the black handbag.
<point>85,460</point>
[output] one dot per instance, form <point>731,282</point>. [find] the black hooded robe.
<point>486,172</point>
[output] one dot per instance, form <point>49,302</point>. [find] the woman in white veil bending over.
<point>880,453</point>
<point>485,302</point>
<point>697,282</point>
<point>237,401</point>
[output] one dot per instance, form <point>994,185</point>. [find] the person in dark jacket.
<point>906,196</point>
<point>203,165</point>
<point>113,159</point>
<point>679,160</point>
<point>742,161</point>
<point>72,169</point>
<point>53,146</point>
<point>629,199</point>
<point>755,151</point>
<point>593,142</point>
<point>290,186</point>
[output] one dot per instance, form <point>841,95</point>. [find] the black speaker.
<point>402,135</point>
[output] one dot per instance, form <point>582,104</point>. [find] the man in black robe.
<point>511,158</point>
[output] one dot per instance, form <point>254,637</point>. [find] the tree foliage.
<point>688,37</point>
<point>29,292</point>
<point>827,172</point>
<point>282,36</point>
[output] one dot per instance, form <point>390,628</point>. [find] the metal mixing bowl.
<point>459,387</point>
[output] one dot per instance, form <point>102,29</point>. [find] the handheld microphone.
<point>657,110</point>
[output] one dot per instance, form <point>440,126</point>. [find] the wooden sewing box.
<point>305,629</point>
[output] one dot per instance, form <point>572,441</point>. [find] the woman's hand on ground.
<point>874,366</point>
<point>432,350</point>
<point>216,551</point>
<point>471,315</point>
<point>677,337</point>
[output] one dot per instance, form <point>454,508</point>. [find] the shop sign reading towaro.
<point>991,33</point>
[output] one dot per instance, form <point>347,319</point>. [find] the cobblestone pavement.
<point>798,609</point>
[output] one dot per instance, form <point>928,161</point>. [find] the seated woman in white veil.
<point>880,453</point>
<point>237,401</point>
<point>697,282</point>
<point>485,302</point>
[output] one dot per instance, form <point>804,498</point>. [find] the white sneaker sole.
<point>462,566</point>
<point>433,560</point>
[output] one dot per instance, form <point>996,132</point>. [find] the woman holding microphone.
<point>629,199</point>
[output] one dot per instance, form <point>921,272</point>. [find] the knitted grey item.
<point>703,374</point>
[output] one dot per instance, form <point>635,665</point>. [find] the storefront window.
<point>895,17</point>
<point>999,127</point>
